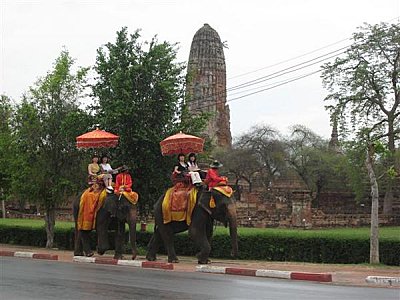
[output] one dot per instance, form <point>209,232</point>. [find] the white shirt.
<point>106,168</point>
<point>193,166</point>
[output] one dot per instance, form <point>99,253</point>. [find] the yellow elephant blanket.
<point>178,204</point>
<point>90,203</point>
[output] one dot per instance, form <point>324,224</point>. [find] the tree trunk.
<point>3,208</point>
<point>50,222</point>
<point>388,200</point>
<point>374,235</point>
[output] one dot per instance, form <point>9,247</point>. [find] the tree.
<point>268,149</point>
<point>48,166</point>
<point>310,157</point>
<point>364,86</point>
<point>139,91</point>
<point>6,111</point>
<point>242,163</point>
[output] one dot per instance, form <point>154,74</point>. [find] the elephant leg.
<point>102,223</point>
<point>78,248</point>
<point>199,236</point>
<point>131,220</point>
<point>209,230</point>
<point>167,236</point>
<point>85,234</point>
<point>119,240</point>
<point>153,246</point>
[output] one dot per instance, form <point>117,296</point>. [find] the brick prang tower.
<point>206,84</point>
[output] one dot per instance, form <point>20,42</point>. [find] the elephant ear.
<point>205,201</point>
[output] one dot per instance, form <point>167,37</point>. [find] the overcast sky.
<point>258,34</point>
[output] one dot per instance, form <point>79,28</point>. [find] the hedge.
<point>261,246</point>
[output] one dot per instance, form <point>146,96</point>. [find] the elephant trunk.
<point>232,217</point>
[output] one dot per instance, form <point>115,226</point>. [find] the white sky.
<point>258,33</point>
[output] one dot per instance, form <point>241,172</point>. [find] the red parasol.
<point>181,143</point>
<point>97,139</point>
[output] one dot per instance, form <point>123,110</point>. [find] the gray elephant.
<point>114,213</point>
<point>201,226</point>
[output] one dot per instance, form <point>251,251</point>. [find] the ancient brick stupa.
<point>206,84</point>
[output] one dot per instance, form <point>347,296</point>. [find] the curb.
<point>383,280</point>
<point>120,262</point>
<point>320,277</point>
<point>29,255</point>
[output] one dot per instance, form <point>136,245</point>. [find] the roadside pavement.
<point>354,275</point>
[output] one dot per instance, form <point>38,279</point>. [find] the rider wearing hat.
<point>123,181</point>
<point>213,178</point>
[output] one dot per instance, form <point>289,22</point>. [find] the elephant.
<point>200,229</point>
<point>115,211</point>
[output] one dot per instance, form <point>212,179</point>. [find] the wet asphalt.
<point>39,279</point>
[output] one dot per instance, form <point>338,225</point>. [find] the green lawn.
<point>390,233</point>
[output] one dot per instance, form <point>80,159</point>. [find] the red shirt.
<point>213,178</point>
<point>125,180</point>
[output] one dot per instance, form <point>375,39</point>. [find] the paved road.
<point>39,279</point>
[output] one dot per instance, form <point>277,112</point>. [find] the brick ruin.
<point>287,203</point>
<point>206,84</point>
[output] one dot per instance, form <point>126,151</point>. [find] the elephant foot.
<point>118,256</point>
<point>151,258</point>
<point>134,254</point>
<point>173,260</point>
<point>204,262</point>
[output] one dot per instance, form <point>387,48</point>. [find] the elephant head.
<point>115,211</point>
<point>117,206</point>
<point>221,208</point>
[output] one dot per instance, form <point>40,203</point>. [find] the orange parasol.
<point>181,143</point>
<point>97,139</point>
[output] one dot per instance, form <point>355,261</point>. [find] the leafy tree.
<point>140,92</point>
<point>364,86</point>
<point>268,149</point>
<point>48,167</point>
<point>309,156</point>
<point>242,163</point>
<point>6,111</point>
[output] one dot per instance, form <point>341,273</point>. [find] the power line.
<point>275,85</point>
<point>283,83</point>
<point>302,55</point>
<point>262,86</point>
<point>290,59</point>
<point>261,79</point>
<point>281,73</point>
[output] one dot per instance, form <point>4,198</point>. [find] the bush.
<point>304,246</point>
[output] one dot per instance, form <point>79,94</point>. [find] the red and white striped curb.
<point>29,255</point>
<point>320,277</point>
<point>120,262</point>
<point>383,280</point>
